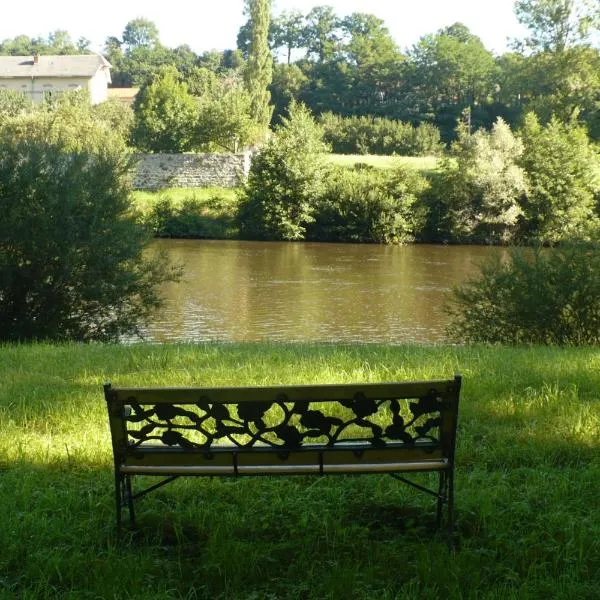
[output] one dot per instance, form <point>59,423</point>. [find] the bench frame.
<point>389,450</point>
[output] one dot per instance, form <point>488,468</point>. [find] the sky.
<point>213,24</point>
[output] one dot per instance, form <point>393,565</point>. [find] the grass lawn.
<point>425,164</point>
<point>528,508</point>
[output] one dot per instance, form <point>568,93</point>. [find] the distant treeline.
<point>351,66</point>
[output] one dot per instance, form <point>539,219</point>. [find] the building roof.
<point>83,65</point>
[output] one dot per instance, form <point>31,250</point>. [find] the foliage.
<point>478,193</point>
<point>71,265</point>
<point>57,42</point>
<point>224,118</point>
<point>258,71</point>
<point>367,135</point>
<point>119,116</point>
<point>556,25</point>
<point>288,82</point>
<point>192,217</point>
<point>140,32</point>
<point>450,71</point>
<point>368,205</point>
<point>534,296</point>
<point>165,115</point>
<point>13,103</point>
<point>285,181</point>
<point>563,169</point>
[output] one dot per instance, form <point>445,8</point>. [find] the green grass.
<point>424,164</point>
<point>528,509</point>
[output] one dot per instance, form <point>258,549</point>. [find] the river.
<point>237,290</point>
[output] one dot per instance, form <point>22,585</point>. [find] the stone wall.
<point>156,171</point>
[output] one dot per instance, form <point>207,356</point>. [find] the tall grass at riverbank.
<point>528,512</point>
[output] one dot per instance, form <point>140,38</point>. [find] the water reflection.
<point>235,290</point>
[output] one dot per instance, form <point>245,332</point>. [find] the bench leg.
<point>442,491</point>
<point>119,499</point>
<point>123,497</point>
<point>130,500</point>
<point>450,524</point>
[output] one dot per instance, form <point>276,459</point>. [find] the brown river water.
<point>283,291</point>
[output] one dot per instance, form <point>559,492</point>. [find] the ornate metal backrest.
<point>411,414</point>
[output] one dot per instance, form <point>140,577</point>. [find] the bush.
<point>368,205</point>
<point>71,259</point>
<point>193,218</point>
<point>478,193</point>
<point>165,115</point>
<point>563,169</point>
<point>368,135</point>
<point>285,181</point>
<point>13,103</point>
<point>536,296</point>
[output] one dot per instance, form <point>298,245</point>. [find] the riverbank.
<point>528,461</point>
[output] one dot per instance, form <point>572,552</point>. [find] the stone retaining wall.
<point>156,171</point>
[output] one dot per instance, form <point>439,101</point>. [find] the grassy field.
<point>528,508</point>
<point>425,164</point>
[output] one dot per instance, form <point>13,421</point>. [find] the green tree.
<point>322,34</point>
<point>556,25</point>
<point>478,193</point>
<point>286,179</point>
<point>225,119</point>
<point>452,70</point>
<point>287,86</point>
<point>288,32</point>
<point>563,169</point>
<point>141,32</point>
<point>259,68</point>
<point>165,115</point>
<point>71,260</point>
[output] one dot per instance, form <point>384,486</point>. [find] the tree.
<point>141,32</point>
<point>322,35</point>
<point>288,32</point>
<point>477,196</point>
<point>165,115</point>
<point>556,25</point>
<point>452,71</point>
<point>285,181</point>
<point>224,119</point>
<point>259,68</point>
<point>71,262</point>
<point>563,168</point>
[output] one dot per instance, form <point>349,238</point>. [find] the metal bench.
<point>394,428</point>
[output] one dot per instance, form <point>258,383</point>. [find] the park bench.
<point>394,428</point>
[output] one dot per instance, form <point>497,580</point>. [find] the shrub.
<point>192,218</point>
<point>13,103</point>
<point>537,296</point>
<point>285,181</point>
<point>478,193</point>
<point>71,252</point>
<point>563,169</point>
<point>368,205</point>
<point>165,115</point>
<point>368,135</point>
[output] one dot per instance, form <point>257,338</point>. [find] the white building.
<point>39,76</point>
